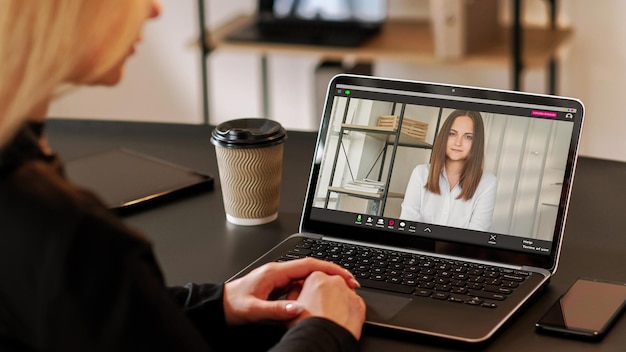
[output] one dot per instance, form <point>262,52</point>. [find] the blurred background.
<point>164,79</point>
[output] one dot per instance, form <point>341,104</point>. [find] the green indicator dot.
<point>347,92</point>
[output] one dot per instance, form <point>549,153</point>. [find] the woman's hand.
<point>328,296</point>
<point>246,298</point>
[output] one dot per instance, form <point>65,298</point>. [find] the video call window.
<point>367,165</point>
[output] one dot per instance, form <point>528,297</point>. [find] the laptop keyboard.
<point>419,275</point>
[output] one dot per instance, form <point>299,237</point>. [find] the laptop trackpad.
<point>381,307</point>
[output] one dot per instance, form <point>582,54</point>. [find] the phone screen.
<point>587,309</point>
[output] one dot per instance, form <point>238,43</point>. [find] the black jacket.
<point>74,277</point>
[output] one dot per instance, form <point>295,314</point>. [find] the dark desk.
<point>194,242</point>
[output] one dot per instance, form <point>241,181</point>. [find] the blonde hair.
<point>44,43</point>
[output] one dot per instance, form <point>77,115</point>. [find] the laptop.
<point>314,22</point>
<point>459,274</point>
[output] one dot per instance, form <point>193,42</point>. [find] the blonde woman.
<point>453,190</point>
<point>74,276</point>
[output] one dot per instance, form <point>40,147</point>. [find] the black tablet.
<point>129,181</point>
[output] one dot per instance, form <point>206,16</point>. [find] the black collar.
<point>23,147</point>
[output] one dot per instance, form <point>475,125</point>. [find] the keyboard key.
<point>349,258</point>
<point>396,273</point>
<point>492,281</point>
<point>422,292</point>
<point>443,288</point>
<point>440,295</point>
<point>291,256</point>
<point>378,277</point>
<point>459,269</point>
<point>394,280</point>
<point>474,271</point>
<point>497,289</point>
<point>444,273</point>
<point>361,267</point>
<point>474,285</point>
<point>478,279</point>
<point>457,283</point>
<point>301,251</point>
<point>492,274</point>
<point>428,271</point>
<point>382,285</point>
<point>396,266</point>
<point>441,281</point>
<point>362,275</point>
<point>511,284</point>
<point>409,282</point>
<point>428,264</point>
<point>411,268</point>
<point>380,256</point>
<point>379,263</point>
<point>456,299</point>
<point>513,277</point>
<point>428,285</point>
<point>459,290</point>
<point>378,270</point>
<point>486,295</point>
<point>411,261</point>
<point>474,301</point>
<point>425,278</point>
<point>458,276</point>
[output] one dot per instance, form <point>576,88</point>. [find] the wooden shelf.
<point>386,133</point>
<point>368,195</point>
<point>411,42</point>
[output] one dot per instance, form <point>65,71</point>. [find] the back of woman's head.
<point>46,43</point>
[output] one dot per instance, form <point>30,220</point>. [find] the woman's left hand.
<point>246,299</point>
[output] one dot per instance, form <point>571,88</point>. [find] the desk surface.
<point>193,241</point>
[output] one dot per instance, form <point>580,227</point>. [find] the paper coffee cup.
<point>249,157</point>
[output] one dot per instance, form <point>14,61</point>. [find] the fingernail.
<point>349,273</point>
<point>294,308</point>
<point>355,283</point>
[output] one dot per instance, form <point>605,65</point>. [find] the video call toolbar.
<point>438,232</point>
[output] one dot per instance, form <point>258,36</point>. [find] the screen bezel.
<point>413,241</point>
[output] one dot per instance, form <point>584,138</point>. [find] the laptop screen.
<point>365,11</point>
<point>347,13</point>
<point>434,164</point>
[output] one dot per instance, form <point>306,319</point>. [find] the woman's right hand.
<point>330,297</point>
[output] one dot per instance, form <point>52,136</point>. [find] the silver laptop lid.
<point>479,173</point>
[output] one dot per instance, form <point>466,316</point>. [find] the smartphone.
<point>587,310</point>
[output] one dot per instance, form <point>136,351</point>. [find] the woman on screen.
<point>453,190</point>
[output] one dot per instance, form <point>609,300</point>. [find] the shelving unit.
<point>411,42</point>
<point>518,47</point>
<point>390,138</point>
